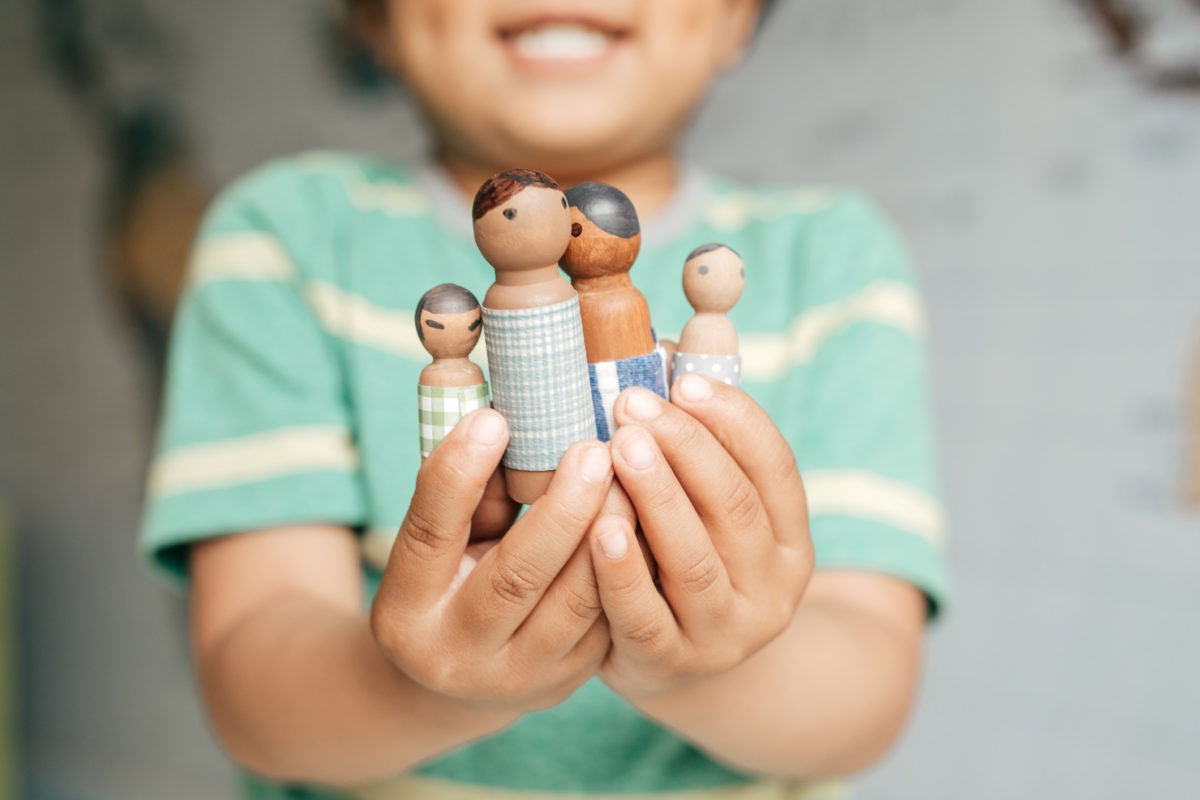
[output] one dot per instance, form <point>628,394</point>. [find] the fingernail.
<point>693,388</point>
<point>613,542</point>
<point>487,428</point>
<point>637,451</point>
<point>595,465</point>
<point>641,404</point>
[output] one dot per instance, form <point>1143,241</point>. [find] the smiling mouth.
<point>561,42</point>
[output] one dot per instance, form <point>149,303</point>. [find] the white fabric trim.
<point>259,456</point>
<point>767,356</point>
<point>352,317</point>
<point>858,493</point>
<point>249,255</point>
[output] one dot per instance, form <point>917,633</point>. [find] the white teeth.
<point>561,42</point>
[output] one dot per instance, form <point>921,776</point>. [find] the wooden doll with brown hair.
<point>532,327</point>
<point>449,322</point>
<point>713,278</point>
<point>621,350</point>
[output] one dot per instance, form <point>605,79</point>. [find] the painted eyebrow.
<point>478,321</point>
<point>433,323</point>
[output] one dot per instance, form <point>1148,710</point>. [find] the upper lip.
<point>510,28</point>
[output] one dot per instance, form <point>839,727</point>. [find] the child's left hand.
<point>721,504</point>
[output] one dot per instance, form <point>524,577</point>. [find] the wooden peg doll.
<point>449,322</point>
<point>621,351</point>
<point>532,327</point>
<point>713,278</point>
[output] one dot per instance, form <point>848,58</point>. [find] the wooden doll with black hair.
<point>532,327</point>
<point>620,344</point>
<point>449,322</point>
<point>713,278</point>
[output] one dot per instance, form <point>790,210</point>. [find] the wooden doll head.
<point>713,278</point>
<point>605,235</point>
<point>521,220</point>
<point>449,321</point>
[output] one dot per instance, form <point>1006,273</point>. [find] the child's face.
<point>556,85</point>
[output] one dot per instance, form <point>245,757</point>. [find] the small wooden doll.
<point>621,351</point>
<point>449,322</point>
<point>532,327</point>
<point>713,278</point>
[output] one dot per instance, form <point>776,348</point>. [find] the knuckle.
<point>648,634</point>
<point>742,505</point>
<point>568,519</point>
<point>687,434</point>
<point>702,574</point>
<point>422,537</point>
<point>516,580</point>
<point>582,602</point>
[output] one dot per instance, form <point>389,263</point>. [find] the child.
<point>551,659</point>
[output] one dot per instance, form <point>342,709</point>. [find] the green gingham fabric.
<point>539,381</point>
<point>440,407</point>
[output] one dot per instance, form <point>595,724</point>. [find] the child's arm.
<point>301,684</point>
<point>727,655</point>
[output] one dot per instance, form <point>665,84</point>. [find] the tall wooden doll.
<point>532,327</point>
<point>621,351</point>
<point>449,322</point>
<point>713,278</point>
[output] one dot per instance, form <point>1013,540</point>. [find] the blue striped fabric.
<point>609,378</point>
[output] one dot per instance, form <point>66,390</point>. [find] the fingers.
<point>721,494</point>
<point>568,610</point>
<point>691,571</point>
<point>639,618</point>
<point>433,536</point>
<point>496,510</point>
<point>509,582</point>
<point>756,445</point>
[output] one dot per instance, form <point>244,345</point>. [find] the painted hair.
<point>606,207</point>
<point>446,298</point>
<point>708,248</point>
<point>497,189</point>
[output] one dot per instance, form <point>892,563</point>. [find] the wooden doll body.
<point>621,350</point>
<point>713,278</point>
<point>605,240</point>
<point>449,321</point>
<point>532,327</point>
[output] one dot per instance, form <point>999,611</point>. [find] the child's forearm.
<point>296,686</point>
<point>300,691</point>
<point>826,698</point>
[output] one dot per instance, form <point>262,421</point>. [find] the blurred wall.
<point>1053,204</point>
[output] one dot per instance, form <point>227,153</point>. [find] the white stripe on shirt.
<point>858,493</point>
<point>259,456</point>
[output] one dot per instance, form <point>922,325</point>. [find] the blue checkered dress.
<point>538,369</point>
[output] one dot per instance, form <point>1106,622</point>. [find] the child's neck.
<point>649,182</point>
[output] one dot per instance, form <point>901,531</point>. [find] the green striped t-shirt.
<point>291,399</point>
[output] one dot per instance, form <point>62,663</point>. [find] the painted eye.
<point>742,272</point>
<point>475,325</point>
<point>564,201</point>
<point>433,323</point>
<point>510,213</point>
<point>576,229</point>
<point>703,269</point>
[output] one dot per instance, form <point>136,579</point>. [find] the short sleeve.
<point>256,430</point>
<point>865,440</point>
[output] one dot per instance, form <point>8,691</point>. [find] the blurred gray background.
<point>1052,199</point>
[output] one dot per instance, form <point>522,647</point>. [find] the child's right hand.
<point>523,628</point>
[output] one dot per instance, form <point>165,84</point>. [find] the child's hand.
<point>720,501</point>
<point>522,628</point>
